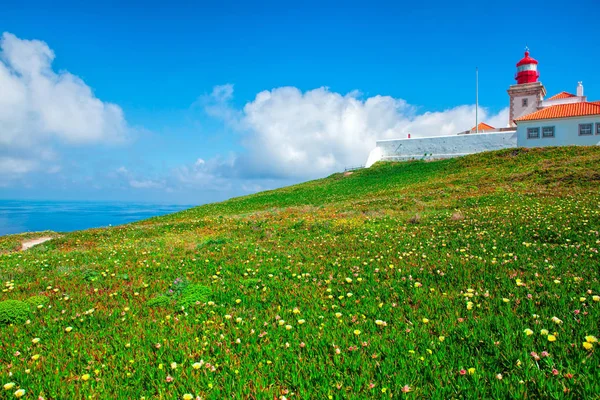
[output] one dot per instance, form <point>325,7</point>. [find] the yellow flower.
<point>596,298</point>
<point>238,301</point>
<point>504,299</point>
<point>85,377</point>
<point>551,338</point>
<point>20,393</point>
<point>301,321</point>
<point>196,365</point>
<point>544,332</point>
<point>338,315</point>
<point>35,340</point>
<point>528,332</point>
<point>425,320</point>
<point>296,310</point>
<point>68,329</point>
<point>442,338</point>
<point>35,357</point>
<point>9,385</point>
<point>471,371</point>
<point>582,299</point>
<point>288,327</point>
<point>349,280</point>
<point>187,396</point>
<point>588,346</point>
<point>591,339</point>
<point>469,305</point>
<point>356,332</point>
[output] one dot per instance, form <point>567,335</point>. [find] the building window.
<point>533,133</point>
<point>597,128</point>
<point>524,102</point>
<point>585,129</point>
<point>548,132</point>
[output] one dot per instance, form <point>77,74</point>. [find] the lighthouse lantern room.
<point>527,70</point>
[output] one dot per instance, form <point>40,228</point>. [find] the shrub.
<point>13,311</point>
<point>192,294</point>
<point>159,301</point>
<point>37,300</point>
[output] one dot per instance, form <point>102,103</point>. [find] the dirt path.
<point>32,242</point>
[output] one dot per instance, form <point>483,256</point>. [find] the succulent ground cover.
<point>467,278</point>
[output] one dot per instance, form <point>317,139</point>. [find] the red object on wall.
<point>527,70</point>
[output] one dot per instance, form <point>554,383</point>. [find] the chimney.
<point>579,89</point>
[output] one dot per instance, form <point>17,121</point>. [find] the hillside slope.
<point>474,277</point>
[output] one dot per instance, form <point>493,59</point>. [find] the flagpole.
<point>476,100</point>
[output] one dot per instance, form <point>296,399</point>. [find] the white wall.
<point>566,132</point>
<point>567,100</point>
<point>532,105</point>
<point>440,146</point>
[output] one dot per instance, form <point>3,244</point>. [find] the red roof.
<point>483,127</point>
<point>527,60</point>
<point>562,95</point>
<point>564,111</point>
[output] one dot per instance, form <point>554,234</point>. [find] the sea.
<point>17,216</point>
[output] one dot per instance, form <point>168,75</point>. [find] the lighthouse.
<point>527,95</point>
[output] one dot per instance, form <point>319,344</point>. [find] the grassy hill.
<point>474,277</point>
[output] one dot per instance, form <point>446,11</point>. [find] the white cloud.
<point>295,134</point>
<point>145,184</point>
<point>39,106</point>
<point>16,166</point>
<point>214,174</point>
<point>216,104</point>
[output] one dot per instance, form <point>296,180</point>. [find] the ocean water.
<point>66,216</point>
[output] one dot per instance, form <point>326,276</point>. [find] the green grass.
<point>279,293</point>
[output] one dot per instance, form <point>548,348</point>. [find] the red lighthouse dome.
<point>527,70</point>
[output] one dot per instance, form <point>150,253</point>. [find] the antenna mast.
<point>476,100</point>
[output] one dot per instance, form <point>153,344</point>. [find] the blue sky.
<point>217,99</point>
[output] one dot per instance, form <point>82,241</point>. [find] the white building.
<point>561,120</point>
<point>561,125</point>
